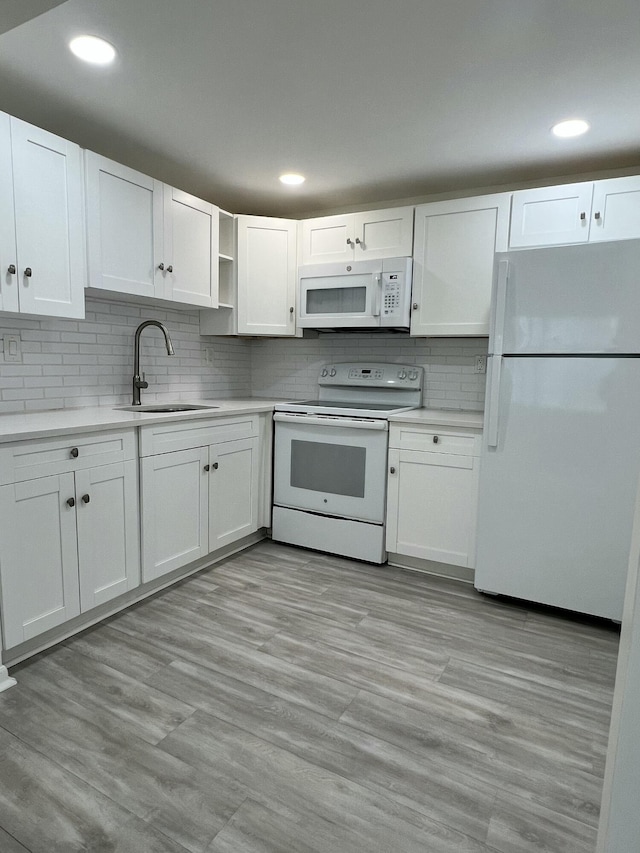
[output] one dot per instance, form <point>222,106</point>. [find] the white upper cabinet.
<point>41,243</point>
<point>358,236</point>
<point>267,275</point>
<point>148,239</point>
<point>455,243</point>
<point>124,228</point>
<point>190,249</point>
<point>615,212</point>
<point>576,213</point>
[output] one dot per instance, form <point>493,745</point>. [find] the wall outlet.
<point>11,348</point>
<point>481,364</point>
<point>208,355</point>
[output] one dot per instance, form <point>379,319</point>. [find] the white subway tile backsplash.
<point>68,363</point>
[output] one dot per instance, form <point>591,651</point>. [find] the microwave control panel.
<point>395,295</point>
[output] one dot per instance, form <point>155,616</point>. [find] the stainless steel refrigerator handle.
<point>494,400</point>
<point>501,306</point>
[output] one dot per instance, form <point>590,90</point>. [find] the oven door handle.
<point>330,421</point>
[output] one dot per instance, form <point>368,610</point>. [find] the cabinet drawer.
<point>26,460</point>
<point>165,438</point>
<point>435,440</point>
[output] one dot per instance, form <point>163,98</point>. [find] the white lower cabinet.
<point>200,489</point>
<point>69,536</point>
<point>432,493</point>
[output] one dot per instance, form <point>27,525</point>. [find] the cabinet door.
<point>8,254</point>
<point>266,264</point>
<point>431,506</point>
<point>108,532</point>
<point>49,230</point>
<point>328,239</point>
<point>453,264</point>
<point>233,491</point>
<point>174,494</point>
<point>38,557</point>
<point>550,216</point>
<point>124,228</point>
<point>616,209</point>
<point>383,233</point>
<point>190,249</point>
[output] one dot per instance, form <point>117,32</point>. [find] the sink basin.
<point>166,407</point>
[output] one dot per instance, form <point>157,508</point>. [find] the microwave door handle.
<point>377,295</point>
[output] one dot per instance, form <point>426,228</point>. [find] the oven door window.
<point>334,470</point>
<point>321,467</point>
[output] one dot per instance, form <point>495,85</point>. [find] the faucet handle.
<point>140,382</point>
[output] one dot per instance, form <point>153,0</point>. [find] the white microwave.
<point>359,295</point>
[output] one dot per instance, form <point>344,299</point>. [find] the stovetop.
<point>363,390</point>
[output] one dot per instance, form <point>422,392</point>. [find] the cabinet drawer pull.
<point>435,439</point>
<point>392,470</point>
<point>583,216</point>
<point>85,499</point>
<point>74,452</point>
<point>596,215</point>
<point>71,501</point>
<point>215,466</point>
<point>415,306</point>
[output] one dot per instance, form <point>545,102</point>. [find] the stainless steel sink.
<point>166,407</point>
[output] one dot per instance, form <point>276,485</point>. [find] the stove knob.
<point>324,371</point>
<point>332,372</point>
<point>413,374</point>
<point>402,374</point>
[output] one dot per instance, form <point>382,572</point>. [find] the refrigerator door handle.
<point>500,307</point>
<point>494,400</point>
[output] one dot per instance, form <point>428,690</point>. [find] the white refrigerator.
<point>561,448</point>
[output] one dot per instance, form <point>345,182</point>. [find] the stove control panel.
<point>377,375</point>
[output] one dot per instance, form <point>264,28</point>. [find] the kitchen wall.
<point>69,363</point>
<point>289,368</point>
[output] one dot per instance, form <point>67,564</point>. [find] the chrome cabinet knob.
<point>161,266</point>
<point>74,452</point>
<point>86,499</point>
<point>583,216</point>
<point>349,241</point>
<point>415,306</point>
<point>71,501</point>
<point>435,439</point>
<point>596,215</point>
<point>215,466</point>
<point>392,470</point>
<point>291,310</point>
<point>207,467</point>
<point>11,269</point>
<point>170,268</point>
<point>28,272</point>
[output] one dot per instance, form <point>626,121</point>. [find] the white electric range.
<point>330,458</point>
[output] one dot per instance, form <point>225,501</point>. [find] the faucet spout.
<point>139,381</point>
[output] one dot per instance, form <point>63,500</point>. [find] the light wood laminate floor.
<point>291,702</point>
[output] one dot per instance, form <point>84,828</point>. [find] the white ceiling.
<point>372,100</point>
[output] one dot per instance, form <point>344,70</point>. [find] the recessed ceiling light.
<point>571,127</point>
<point>292,180</point>
<point>92,49</point>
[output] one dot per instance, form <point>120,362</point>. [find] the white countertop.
<point>26,425</point>
<point>440,417</point>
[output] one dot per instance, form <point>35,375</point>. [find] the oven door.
<point>330,465</point>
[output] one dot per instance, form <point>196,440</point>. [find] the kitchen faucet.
<point>138,381</point>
